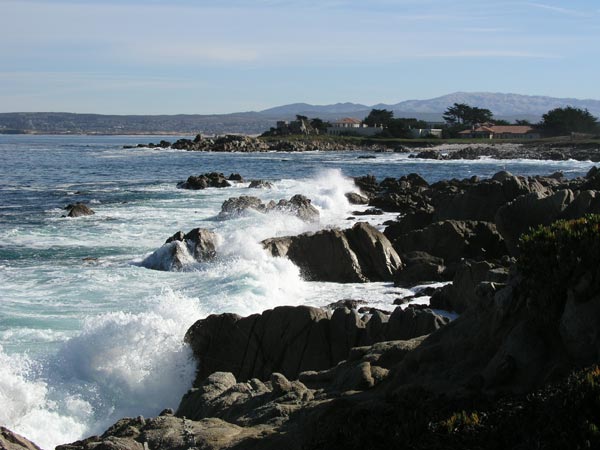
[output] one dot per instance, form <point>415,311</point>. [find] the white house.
<point>351,126</point>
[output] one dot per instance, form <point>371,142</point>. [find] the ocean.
<point>88,335</point>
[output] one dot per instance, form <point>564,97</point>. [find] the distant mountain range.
<point>505,106</point>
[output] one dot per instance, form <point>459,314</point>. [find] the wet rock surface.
<point>299,206</point>
<point>181,249</point>
<point>79,210</point>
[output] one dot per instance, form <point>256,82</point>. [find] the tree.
<point>463,114</point>
<point>561,121</point>
<point>319,124</point>
<point>379,117</point>
<point>522,122</point>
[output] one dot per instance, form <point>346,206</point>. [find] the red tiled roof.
<point>350,120</point>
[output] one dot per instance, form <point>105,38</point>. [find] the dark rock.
<point>260,184</point>
<point>410,222</point>
<point>419,267</point>
<point>298,205</point>
<point>213,179</point>
<point>464,291</point>
<point>527,211</point>
<point>12,441</point>
<point>367,184</point>
<point>237,205</point>
<point>356,199</point>
<point>453,240</point>
<point>290,340</point>
<point>235,177</point>
<point>481,200</point>
<point>368,212</point>
<point>78,210</point>
<point>410,322</point>
<point>346,303</point>
<point>428,154</point>
<point>354,255</point>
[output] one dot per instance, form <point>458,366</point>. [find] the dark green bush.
<point>561,258</point>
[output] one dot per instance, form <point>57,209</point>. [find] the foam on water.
<point>121,364</point>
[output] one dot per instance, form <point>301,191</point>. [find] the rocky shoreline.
<point>556,151</point>
<point>507,373</point>
<point>546,151</point>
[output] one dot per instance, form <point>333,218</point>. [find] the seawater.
<point>87,335</point>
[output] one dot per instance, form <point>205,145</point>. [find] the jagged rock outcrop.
<point>298,206</point>
<point>212,179</point>
<point>453,240</point>
<point>290,340</point>
<point>12,441</point>
<point>79,210</point>
<point>469,285</point>
<point>359,254</point>
<point>181,249</point>
<point>482,200</point>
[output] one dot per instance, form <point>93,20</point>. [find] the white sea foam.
<point>121,364</point>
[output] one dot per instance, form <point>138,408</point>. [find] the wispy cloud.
<point>559,9</point>
<point>490,54</point>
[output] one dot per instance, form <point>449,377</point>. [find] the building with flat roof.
<point>351,126</point>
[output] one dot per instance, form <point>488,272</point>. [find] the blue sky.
<point>209,56</point>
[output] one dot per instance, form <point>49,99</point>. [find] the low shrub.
<point>562,258</point>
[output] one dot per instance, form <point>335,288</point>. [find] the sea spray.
<point>121,364</point>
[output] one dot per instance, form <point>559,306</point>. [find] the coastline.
<point>263,383</point>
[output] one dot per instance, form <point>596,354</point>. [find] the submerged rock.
<point>78,210</point>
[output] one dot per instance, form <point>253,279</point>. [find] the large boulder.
<point>359,254</point>
<point>238,205</point>
<point>79,210</point>
<point>453,240</point>
<point>290,340</point>
<point>181,250</point>
<point>481,200</point>
<point>356,199</point>
<point>299,206</point>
